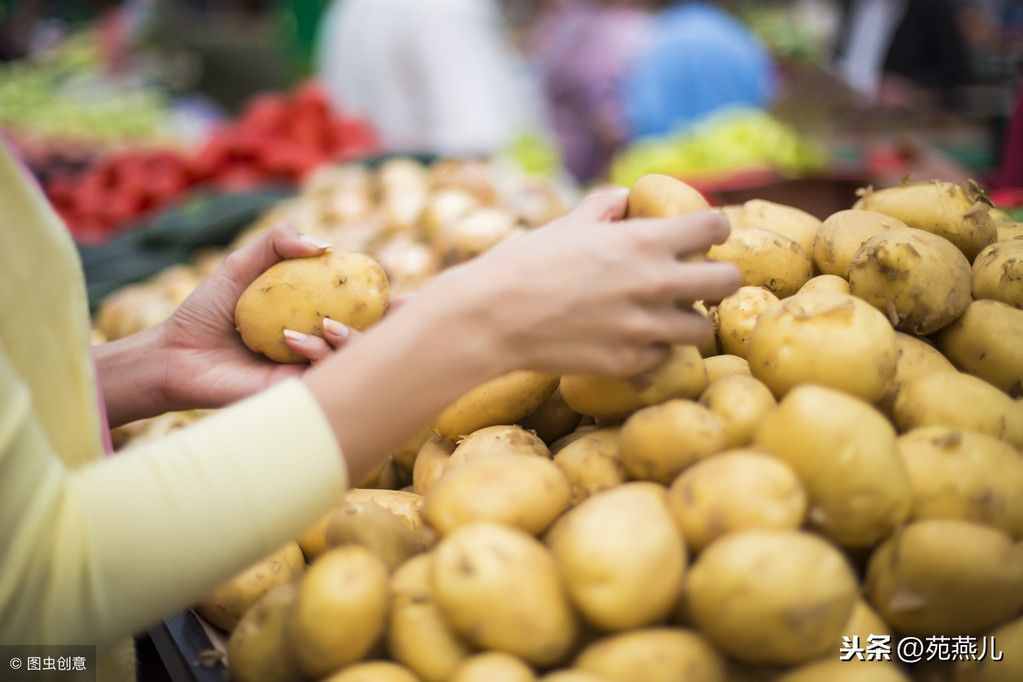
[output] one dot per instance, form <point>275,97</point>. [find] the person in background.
<point>582,50</point>
<point>700,60</point>
<point>440,76</point>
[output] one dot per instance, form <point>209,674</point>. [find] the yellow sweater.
<point>94,549</point>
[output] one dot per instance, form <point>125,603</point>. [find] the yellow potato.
<point>658,442</point>
<point>384,533</point>
<point>259,650</point>
<point>998,273</point>
<point>946,576</point>
<point>662,196</point>
<point>525,492</point>
<point>797,225</point>
<point>621,557</point>
<point>407,505</point>
<point>1009,640</point>
<point>959,401</point>
<point>774,597</point>
<point>474,233</point>
<point>708,348</point>
<point>766,259</point>
<point>407,262</point>
<point>313,540</point>
<point>347,585</point>
<point>844,671</point>
<point>987,341</point>
<point>737,317</point>
<point>1009,230</point>
<point>499,588</point>
<point>720,366</point>
<point>828,339</point>
<point>959,213</point>
<point>682,375</point>
<point>374,671</point>
<point>297,294</point>
<point>431,462</point>
<point>842,235</point>
<point>605,398</point>
<point>494,440</point>
<point>964,475</point>
<point>591,463</point>
<point>653,655</point>
<point>863,623</point>
<point>504,400</point>
<point>446,207</point>
<point>418,636</point>
<point>919,280</point>
<point>741,403</point>
<point>553,419</point>
<point>845,454</point>
<point>826,284</point>
<point>494,667</point>
<point>734,491</point>
<point>405,456</point>
<point>229,601</point>
<point>571,675</point>
<point>915,358</point>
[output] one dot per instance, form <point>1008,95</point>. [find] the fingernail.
<point>336,328</point>
<point>321,244</point>
<point>294,335</point>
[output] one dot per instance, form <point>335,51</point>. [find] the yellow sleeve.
<point>96,554</point>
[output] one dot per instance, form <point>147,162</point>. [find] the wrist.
<point>132,376</point>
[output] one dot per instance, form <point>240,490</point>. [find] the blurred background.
<point>186,119</point>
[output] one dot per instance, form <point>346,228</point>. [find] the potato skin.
<point>258,650</point>
<point>827,339</point>
<point>476,571</point>
<point>741,403</point>
<point>653,655</point>
<point>961,401</point>
<point>737,317</point>
<point>591,463</point>
<point>660,441</point>
<point>571,675</point>
<point>418,636</point>
<point>432,460</point>
<point>788,221</point>
<point>407,505</point>
<point>553,419</point>
<point>298,293</point>
<point>662,196</point>
<point>765,259</point>
<point>775,597</point>
<point>826,284</point>
<point>229,601</point>
<point>621,557</point>
<point>384,533</point>
<point>998,273</point>
<point>845,671</point>
<point>963,475</point>
<point>919,280</point>
<point>1008,230</point>
<point>844,452</point>
<point>915,358</point>
<point>721,366</point>
<point>986,342</point>
<point>946,576</point>
<point>504,400</point>
<point>525,492</point>
<point>373,671</point>
<point>865,622</point>
<point>493,667</point>
<point>346,585</point>
<point>734,491</point>
<point>1009,638</point>
<point>843,233</point>
<point>507,440</point>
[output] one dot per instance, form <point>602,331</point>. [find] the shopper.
<point>93,550</point>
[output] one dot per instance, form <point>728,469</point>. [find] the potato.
<point>653,655</point>
<point>621,557</point>
<point>408,263</point>
<point>474,233</point>
<point>845,454</point>
<point>446,207</point>
<point>919,280</point>
<point>660,441</point>
<point>494,440</point>
<point>946,576</point>
<point>553,419</point>
<point>1008,230</point>
<point>504,400</point>
<point>828,339</point>
<point>1009,640</point>
<point>494,667</point>
<point>998,273</point>
<point>373,671</point>
<point>525,492</point>
<point>313,540</point>
<point>959,213</point>
<point>432,460</point>
<point>418,637</point>
<point>682,375</point>
<point>591,463</point>
<point>259,650</point>
<point>842,235</point>
<point>571,675</point>
<point>229,601</point>
<point>738,490</point>
<point>297,294</point>
<point>766,259</point>
<point>865,622</point>
<point>825,283</point>
<point>843,671</point>
<point>340,610</point>
<point>499,588</point>
<point>986,342</point>
<point>386,534</point>
<point>407,505</point>
<point>775,597</point>
<point>797,225</point>
<point>740,402</point>
<point>964,475</point>
<point>720,366</point>
<point>405,456</point>
<point>915,358</point>
<point>662,196</point>
<point>960,401</point>
<point>709,347</point>
<point>737,317</point>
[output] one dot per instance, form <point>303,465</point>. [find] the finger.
<point>336,333</point>
<point>693,233</point>
<point>399,301</point>
<point>682,328</point>
<point>280,243</point>
<point>603,204</point>
<point>706,281</point>
<point>310,347</point>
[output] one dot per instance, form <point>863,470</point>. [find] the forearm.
<point>131,373</point>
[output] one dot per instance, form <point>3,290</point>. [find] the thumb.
<point>603,204</point>
<point>280,243</point>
